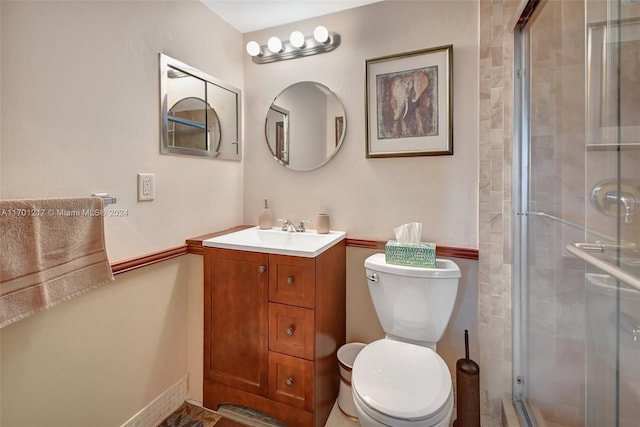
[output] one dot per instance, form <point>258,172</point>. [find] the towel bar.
<point>106,199</point>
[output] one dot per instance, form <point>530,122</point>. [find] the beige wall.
<point>80,85</point>
<point>80,114</point>
<point>98,359</point>
<point>369,197</point>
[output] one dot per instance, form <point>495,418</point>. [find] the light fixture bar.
<point>288,51</point>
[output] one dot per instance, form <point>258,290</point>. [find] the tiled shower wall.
<point>495,145</point>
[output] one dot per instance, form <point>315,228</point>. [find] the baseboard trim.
<point>162,406</point>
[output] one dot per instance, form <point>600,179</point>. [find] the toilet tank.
<point>413,304</point>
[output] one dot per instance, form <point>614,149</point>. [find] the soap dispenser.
<point>265,219</point>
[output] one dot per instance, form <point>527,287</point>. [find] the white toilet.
<point>400,380</point>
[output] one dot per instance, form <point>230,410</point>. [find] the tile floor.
<point>256,419</point>
<point>336,419</point>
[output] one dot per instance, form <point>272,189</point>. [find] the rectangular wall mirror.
<point>199,115</point>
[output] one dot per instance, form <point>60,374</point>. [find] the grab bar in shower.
<point>612,270</point>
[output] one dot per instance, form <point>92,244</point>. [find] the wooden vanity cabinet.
<point>273,325</point>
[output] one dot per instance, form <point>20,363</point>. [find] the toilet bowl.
<point>400,380</point>
<point>401,384</point>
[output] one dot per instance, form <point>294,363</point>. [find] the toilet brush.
<point>468,389</point>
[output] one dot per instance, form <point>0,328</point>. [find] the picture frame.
<point>613,91</point>
<point>409,109</point>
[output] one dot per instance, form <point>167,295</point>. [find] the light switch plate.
<point>146,186</point>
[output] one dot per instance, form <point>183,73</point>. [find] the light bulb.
<point>274,44</point>
<point>296,39</point>
<point>253,48</point>
<point>321,34</point>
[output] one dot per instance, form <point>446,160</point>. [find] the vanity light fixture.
<point>296,47</point>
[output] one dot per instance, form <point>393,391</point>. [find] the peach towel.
<point>51,250</point>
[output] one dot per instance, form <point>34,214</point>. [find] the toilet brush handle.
<point>466,344</point>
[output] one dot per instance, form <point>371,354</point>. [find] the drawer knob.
<point>289,280</point>
<point>289,382</point>
<point>262,269</point>
<point>290,330</point>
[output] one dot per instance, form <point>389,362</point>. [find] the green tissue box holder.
<point>414,255</point>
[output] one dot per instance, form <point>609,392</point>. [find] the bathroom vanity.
<point>272,325</point>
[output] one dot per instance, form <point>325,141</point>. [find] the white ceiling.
<point>252,15</point>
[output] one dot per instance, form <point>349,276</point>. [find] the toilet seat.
<point>371,417</point>
<point>398,383</point>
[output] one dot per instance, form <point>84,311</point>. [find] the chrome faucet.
<point>288,225</point>
<point>300,227</point>
<point>627,201</point>
<point>615,197</point>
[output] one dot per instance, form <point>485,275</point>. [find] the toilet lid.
<point>401,380</point>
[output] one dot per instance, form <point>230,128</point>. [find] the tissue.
<point>408,234</point>
<point>407,249</point>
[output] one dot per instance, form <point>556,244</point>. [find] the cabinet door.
<point>236,319</point>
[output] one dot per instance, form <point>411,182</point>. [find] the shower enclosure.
<point>576,240</point>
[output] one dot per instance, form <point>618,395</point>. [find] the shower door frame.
<point>520,207</point>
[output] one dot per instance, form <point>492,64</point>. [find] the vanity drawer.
<point>291,381</point>
<point>291,330</point>
<point>292,280</point>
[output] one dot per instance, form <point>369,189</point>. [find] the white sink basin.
<point>308,244</point>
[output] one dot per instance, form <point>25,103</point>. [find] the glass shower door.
<point>613,188</point>
<point>577,207</point>
<point>550,380</point>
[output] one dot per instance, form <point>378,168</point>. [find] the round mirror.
<point>305,126</point>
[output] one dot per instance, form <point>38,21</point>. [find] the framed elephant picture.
<point>409,104</point>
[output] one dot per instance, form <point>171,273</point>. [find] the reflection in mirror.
<point>200,116</point>
<point>305,126</point>
<point>278,122</point>
<point>190,127</point>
